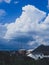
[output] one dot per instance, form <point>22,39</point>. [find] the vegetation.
<point>7,58</point>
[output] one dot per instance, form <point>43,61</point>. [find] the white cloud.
<point>30,23</point>
<point>6,1</point>
<point>16,2</point>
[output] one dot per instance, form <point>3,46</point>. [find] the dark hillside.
<point>15,58</point>
<point>42,49</point>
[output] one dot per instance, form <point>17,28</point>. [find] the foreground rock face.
<point>20,58</point>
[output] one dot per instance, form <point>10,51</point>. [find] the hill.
<point>42,49</point>
<point>16,58</point>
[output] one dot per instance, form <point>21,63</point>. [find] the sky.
<point>23,24</point>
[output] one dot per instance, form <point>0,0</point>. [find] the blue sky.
<point>23,23</point>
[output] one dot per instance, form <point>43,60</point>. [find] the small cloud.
<point>16,2</point>
<point>2,12</point>
<point>7,1</point>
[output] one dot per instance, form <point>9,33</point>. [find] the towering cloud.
<point>29,21</point>
<point>31,27</point>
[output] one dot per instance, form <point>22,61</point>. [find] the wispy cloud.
<point>48,4</point>
<point>6,1</point>
<point>2,12</point>
<point>2,30</point>
<point>16,2</point>
<point>1,1</point>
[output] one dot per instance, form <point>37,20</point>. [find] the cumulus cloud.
<point>33,24</point>
<point>27,22</point>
